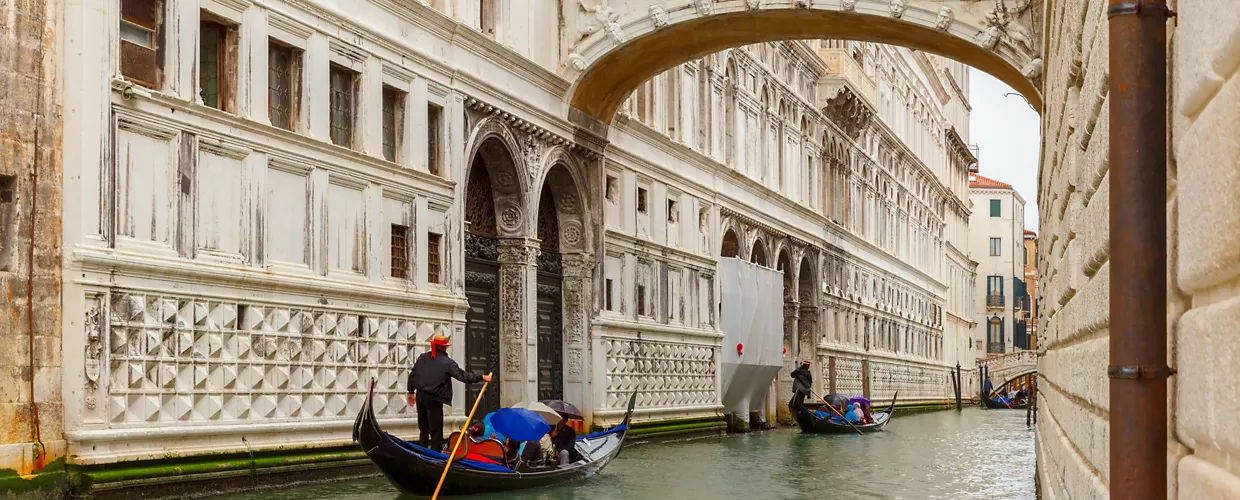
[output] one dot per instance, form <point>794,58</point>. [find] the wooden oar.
<point>464,428</point>
<point>837,413</point>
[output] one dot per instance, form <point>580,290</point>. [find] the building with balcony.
<point>997,243</point>
<point>1031,285</point>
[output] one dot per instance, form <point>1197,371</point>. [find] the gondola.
<point>813,424</point>
<point>416,470</point>
<point>995,405</point>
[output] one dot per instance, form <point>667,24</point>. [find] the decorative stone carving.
<point>1000,26</point>
<point>849,6</point>
<point>574,318</point>
<point>945,18</point>
<point>1032,69</point>
<point>802,4</point>
<point>704,7</point>
<point>605,18</point>
<point>575,368</point>
<point>658,16</point>
<point>480,247</point>
<point>511,292</point>
<point>753,4</point>
<point>576,61</point>
<point>532,151</point>
<point>572,234</point>
<point>897,8</point>
<point>94,351</point>
<point>510,218</point>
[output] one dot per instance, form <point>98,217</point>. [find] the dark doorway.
<point>481,330</point>
<point>481,288</point>
<point>550,301</point>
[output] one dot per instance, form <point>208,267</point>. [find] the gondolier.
<point>802,382</point>
<point>430,388</point>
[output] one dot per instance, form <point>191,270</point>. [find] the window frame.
<point>996,207</point>
<point>434,258</point>
<point>350,97</point>
<point>393,134</point>
<point>133,52</point>
<point>399,251</point>
<point>434,137</point>
<point>996,247</point>
<point>294,76</point>
<point>227,53</point>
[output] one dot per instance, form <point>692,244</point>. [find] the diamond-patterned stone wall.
<point>664,374</point>
<point>189,360</point>
<point>913,382</point>
<point>847,375</point>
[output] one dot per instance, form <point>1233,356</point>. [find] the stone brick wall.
<point>29,144</point>
<point>1203,309</point>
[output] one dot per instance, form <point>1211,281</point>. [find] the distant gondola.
<point>416,470</point>
<point>813,424</point>
<point>995,405</point>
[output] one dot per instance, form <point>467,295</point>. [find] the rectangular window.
<point>141,41</point>
<point>641,200</point>
<point>343,97</point>
<point>996,246</point>
<point>432,258</point>
<point>486,17</point>
<point>673,211</point>
<point>400,251</point>
<point>607,288</point>
<point>996,208</point>
<point>610,192</point>
<point>434,115</point>
<point>994,285</point>
<point>641,301</point>
<point>393,122</point>
<point>217,69</point>
<point>283,85</point>
<point>8,223</point>
<point>1026,256</point>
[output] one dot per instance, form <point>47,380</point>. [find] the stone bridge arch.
<point>615,45</point>
<point>1005,368</point>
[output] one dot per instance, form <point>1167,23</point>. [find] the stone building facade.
<point>31,405</point>
<point>996,237</point>
<point>271,203</point>
<point>1203,257</point>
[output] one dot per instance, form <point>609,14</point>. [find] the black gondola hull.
<point>814,425</point>
<point>414,470</point>
<point>995,405</point>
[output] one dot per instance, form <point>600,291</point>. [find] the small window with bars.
<point>433,255</point>
<point>641,301</point>
<point>283,85</point>
<point>393,122</point>
<point>607,295</point>
<point>642,196</point>
<point>400,251</point>
<point>343,106</point>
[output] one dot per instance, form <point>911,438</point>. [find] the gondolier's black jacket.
<point>431,378</point>
<point>802,380</point>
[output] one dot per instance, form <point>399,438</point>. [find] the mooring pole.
<point>1138,223</point>
<point>959,386</point>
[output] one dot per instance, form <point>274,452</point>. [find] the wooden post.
<point>831,374</point>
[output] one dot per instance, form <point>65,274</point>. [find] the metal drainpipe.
<point>1138,224</point>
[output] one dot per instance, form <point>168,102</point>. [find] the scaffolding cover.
<point>751,316</point>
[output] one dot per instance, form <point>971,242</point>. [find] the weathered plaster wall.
<point>29,146</point>
<point>1204,258</point>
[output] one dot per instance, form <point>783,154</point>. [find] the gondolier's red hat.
<point>438,341</point>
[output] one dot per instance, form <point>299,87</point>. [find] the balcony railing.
<point>1020,304</point>
<point>994,301</point>
<point>843,70</point>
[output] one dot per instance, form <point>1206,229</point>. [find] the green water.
<point>974,454</point>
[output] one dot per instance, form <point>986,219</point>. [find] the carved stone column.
<point>807,339</point>
<point>518,286</point>
<point>791,361</point>
<point>578,282</point>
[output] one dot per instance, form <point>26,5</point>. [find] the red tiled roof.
<point>1031,233</point>
<point>978,181</point>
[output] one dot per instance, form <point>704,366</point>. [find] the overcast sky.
<point>1006,131</point>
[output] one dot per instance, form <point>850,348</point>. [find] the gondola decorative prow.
<point>628,412</point>
<point>893,402</point>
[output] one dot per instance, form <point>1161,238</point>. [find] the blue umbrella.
<point>520,424</point>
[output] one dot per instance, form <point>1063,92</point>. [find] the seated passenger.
<point>564,443</point>
<point>851,416</point>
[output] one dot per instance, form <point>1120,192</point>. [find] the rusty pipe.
<point>1138,223</point>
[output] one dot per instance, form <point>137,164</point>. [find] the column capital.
<point>518,251</point>
<point>578,265</point>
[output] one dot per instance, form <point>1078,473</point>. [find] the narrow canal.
<point>975,454</point>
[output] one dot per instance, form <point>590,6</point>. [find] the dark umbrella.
<point>858,399</point>
<point>520,424</point>
<point>565,409</point>
<point>837,400</point>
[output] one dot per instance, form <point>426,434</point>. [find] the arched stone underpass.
<point>625,42</point>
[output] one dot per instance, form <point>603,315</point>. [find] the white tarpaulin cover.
<point>752,308</point>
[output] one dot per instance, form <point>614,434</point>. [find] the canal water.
<point>974,454</point>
